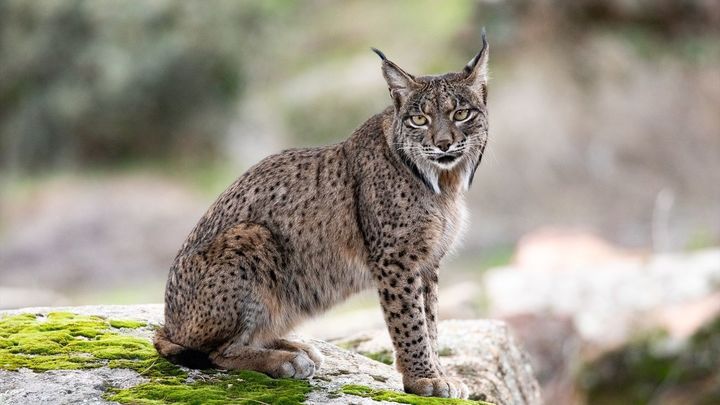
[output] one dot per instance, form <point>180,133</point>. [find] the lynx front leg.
<point>402,298</point>
<point>430,301</point>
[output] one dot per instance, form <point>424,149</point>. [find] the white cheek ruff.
<point>431,177</point>
<point>464,223</point>
<point>455,227</point>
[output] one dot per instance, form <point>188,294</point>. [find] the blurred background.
<point>595,215</point>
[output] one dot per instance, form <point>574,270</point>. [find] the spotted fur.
<point>305,229</point>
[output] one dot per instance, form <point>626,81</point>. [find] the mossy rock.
<point>65,341</point>
<point>102,353</point>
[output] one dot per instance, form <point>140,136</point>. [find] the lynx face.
<point>443,124</point>
<point>440,121</point>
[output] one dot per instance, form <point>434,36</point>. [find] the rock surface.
<point>480,352</point>
<point>63,386</point>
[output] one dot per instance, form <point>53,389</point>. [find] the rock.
<point>67,386</point>
<point>682,320</point>
<point>607,302</point>
<point>560,249</point>
<point>554,347</point>
<point>482,353</point>
<point>103,354</point>
<point>568,312</point>
<point>658,369</point>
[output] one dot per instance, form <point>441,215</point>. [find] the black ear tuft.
<point>379,53</point>
<point>470,66</point>
<point>400,83</point>
<point>476,71</point>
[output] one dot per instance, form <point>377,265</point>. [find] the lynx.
<point>305,229</point>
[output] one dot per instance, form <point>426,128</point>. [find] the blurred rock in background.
<point>608,302</point>
<point>604,325</point>
<point>655,369</point>
<point>554,348</point>
<point>96,239</point>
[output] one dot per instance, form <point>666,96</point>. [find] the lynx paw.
<point>314,355</point>
<point>443,387</point>
<point>302,348</point>
<point>298,366</point>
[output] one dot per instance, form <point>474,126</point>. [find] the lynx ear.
<point>477,70</point>
<point>400,83</point>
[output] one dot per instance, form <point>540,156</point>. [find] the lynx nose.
<point>443,144</point>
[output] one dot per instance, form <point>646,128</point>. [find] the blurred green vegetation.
<point>87,83</point>
<point>651,370</point>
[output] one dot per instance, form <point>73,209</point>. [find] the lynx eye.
<point>461,115</point>
<point>418,120</point>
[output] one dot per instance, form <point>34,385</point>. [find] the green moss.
<point>383,356</point>
<point>65,341</point>
<point>393,396</point>
<point>129,324</point>
<point>240,387</point>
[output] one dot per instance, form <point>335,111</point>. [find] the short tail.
<point>180,355</point>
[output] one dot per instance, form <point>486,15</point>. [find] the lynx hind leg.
<point>235,300</point>
<point>275,363</point>
<point>291,346</point>
<point>244,297</point>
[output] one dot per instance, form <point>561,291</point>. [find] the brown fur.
<point>304,229</point>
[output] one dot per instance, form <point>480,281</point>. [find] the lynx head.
<point>440,121</point>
